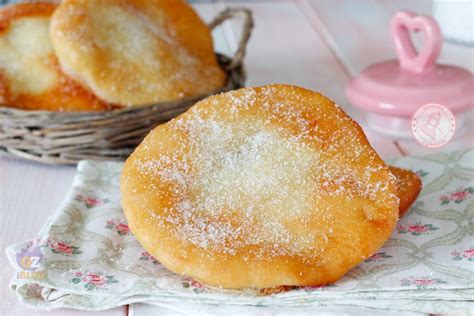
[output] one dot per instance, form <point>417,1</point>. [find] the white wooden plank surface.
<point>148,310</point>
<point>285,48</point>
<point>152,310</point>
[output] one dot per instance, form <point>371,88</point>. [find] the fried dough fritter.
<point>258,188</point>
<point>136,52</point>
<point>30,76</point>
<point>409,186</point>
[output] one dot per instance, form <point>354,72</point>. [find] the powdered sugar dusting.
<point>132,53</point>
<point>251,175</point>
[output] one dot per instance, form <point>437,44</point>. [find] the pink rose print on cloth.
<point>90,201</point>
<point>63,248</point>
<point>146,256</point>
<point>463,254</point>
<point>415,229</point>
<point>196,286</point>
<point>376,257</point>
<point>421,282</point>
<point>33,290</point>
<point>119,226</point>
<point>457,196</point>
<point>93,281</point>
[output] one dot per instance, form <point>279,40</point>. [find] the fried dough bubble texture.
<point>409,186</point>
<point>136,52</point>
<point>260,187</point>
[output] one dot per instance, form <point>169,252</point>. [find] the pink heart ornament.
<point>403,23</point>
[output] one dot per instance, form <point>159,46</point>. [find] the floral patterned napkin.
<point>86,258</point>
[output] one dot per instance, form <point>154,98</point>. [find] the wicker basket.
<point>67,137</point>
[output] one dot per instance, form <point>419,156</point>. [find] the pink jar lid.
<point>400,87</point>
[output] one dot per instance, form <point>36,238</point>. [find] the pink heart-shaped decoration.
<point>404,22</point>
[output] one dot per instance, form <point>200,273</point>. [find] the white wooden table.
<point>317,44</point>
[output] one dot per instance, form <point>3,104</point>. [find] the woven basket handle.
<point>248,24</point>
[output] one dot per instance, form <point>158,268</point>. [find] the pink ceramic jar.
<point>392,91</point>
